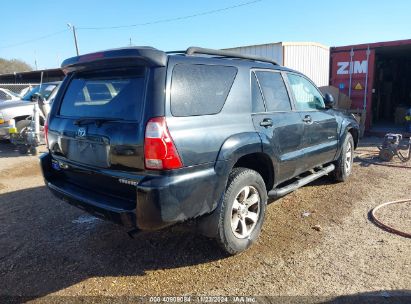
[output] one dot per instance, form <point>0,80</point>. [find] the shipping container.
<point>377,77</point>
<point>310,58</point>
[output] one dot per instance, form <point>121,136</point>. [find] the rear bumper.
<point>160,200</point>
<point>92,204</point>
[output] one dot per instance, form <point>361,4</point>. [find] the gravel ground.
<point>50,248</point>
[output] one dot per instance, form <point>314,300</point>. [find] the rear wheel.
<point>386,155</point>
<point>22,125</point>
<point>33,150</point>
<point>343,166</point>
<point>241,214</point>
<point>23,149</point>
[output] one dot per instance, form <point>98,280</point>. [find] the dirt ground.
<point>49,248</point>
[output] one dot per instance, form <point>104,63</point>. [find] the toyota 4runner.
<point>148,139</point>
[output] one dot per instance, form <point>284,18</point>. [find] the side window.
<point>200,89</point>
<point>274,91</point>
<point>306,95</point>
<point>258,102</point>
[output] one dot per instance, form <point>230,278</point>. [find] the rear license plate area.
<point>89,152</point>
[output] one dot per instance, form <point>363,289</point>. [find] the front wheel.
<point>242,211</point>
<point>344,164</point>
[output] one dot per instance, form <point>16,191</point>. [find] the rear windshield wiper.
<point>97,121</point>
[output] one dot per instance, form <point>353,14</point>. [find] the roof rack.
<point>175,52</point>
<point>229,54</point>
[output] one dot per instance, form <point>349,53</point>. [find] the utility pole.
<point>73,28</point>
<point>35,60</point>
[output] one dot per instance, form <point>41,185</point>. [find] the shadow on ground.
<point>45,248</point>
<point>47,245</point>
<point>7,149</point>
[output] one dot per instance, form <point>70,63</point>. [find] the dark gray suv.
<point>148,139</point>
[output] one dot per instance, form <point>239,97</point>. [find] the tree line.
<point>13,65</point>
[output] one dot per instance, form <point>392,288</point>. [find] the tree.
<point>13,65</point>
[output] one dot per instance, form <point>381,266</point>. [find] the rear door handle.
<point>267,122</point>
<point>307,119</point>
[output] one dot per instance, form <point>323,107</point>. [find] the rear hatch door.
<point>98,119</point>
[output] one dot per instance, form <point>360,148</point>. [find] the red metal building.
<point>377,77</point>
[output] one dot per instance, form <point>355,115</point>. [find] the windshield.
<point>12,93</point>
<point>45,90</point>
<point>115,94</point>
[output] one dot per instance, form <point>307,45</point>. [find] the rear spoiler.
<point>148,55</point>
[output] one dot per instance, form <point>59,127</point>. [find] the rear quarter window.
<point>200,89</point>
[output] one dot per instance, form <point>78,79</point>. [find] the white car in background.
<point>7,95</point>
<point>19,111</point>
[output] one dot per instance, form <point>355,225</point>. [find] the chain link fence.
<point>18,88</point>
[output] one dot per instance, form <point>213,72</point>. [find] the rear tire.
<point>343,166</point>
<point>33,151</point>
<point>22,125</point>
<point>23,150</point>
<point>242,211</point>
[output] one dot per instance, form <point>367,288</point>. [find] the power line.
<point>171,19</point>
<point>33,40</point>
<point>135,25</point>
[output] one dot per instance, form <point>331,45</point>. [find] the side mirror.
<point>328,101</point>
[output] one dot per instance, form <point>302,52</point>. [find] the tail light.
<point>46,131</point>
<point>160,152</point>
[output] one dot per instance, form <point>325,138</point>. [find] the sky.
<point>37,31</point>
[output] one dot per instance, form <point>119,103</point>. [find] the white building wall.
<point>309,58</point>
<point>273,51</point>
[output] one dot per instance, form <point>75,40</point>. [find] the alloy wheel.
<point>245,212</point>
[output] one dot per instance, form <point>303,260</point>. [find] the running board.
<point>278,192</point>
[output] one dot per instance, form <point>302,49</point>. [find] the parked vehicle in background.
<point>45,90</point>
<point>17,113</point>
<point>7,95</point>
<point>25,90</point>
<point>148,139</point>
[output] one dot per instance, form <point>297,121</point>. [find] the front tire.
<point>242,211</point>
<point>344,164</point>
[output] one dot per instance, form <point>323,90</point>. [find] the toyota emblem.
<point>81,132</point>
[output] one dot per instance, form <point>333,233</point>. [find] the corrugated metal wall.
<point>312,59</point>
<point>273,51</point>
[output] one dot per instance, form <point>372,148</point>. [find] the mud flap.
<point>207,225</point>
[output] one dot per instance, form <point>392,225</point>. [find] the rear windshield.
<point>114,94</point>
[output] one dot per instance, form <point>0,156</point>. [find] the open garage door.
<point>392,88</point>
